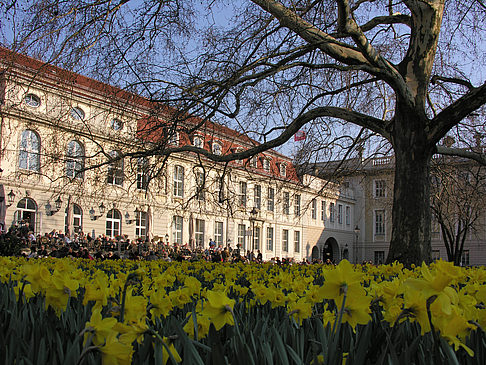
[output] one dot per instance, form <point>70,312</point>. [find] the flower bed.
<point>64,311</point>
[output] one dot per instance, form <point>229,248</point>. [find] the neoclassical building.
<point>78,155</point>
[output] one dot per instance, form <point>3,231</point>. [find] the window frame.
<point>115,170</point>
<point>74,159</point>
<point>199,232</point>
<point>113,226</point>
<point>314,208</point>
<point>218,233</point>
<point>270,199</point>
<point>77,113</point>
<point>297,240</point>
<point>140,224</point>
<point>270,238</point>
<point>242,194</point>
<point>178,181</point>
<point>286,203</point>
<point>297,203</point>
<point>285,240</point>
<point>28,100</point>
<point>379,219</point>
<point>379,188</point>
<point>257,196</point>
<point>177,229</point>
<point>29,151</point>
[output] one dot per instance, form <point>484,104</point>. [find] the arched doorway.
<point>330,251</point>
<point>315,253</point>
<point>26,212</point>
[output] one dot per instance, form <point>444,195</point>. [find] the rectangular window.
<point>331,212</point>
<point>256,232</point>
<point>242,199</point>
<point>285,240</point>
<point>340,214</point>
<point>200,186</point>
<point>140,224</point>
<point>179,181</point>
<point>242,236</point>
<point>348,216</point>
<point>314,209</point>
<point>465,258</point>
<point>115,170</point>
<point>142,174</point>
<point>379,222</point>
<point>379,257</point>
<point>323,210</point>
<point>257,198</point>
<point>286,203</point>
<point>269,238</point>
<point>266,164</point>
<point>177,222</point>
<point>380,187</point>
<point>199,233</point>
<point>218,233</point>
<point>270,199</point>
<point>435,255</point>
<point>296,241</point>
<point>297,205</point>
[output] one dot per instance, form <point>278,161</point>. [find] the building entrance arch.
<point>315,253</point>
<point>330,250</point>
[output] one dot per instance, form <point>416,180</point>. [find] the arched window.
<point>76,219</point>
<point>113,223</point>
<point>26,212</point>
<point>75,160</point>
<point>29,152</point>
<point>32,100</point>
<point>77,113</point>
<point>115,169</point>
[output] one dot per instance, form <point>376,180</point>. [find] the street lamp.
<point>10,197</point>
<point>253,215</point>
<point>356,235</point>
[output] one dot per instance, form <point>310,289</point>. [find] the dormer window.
<point>174,139</point>
<point>266,164</point>
<point>32,100</point>
<point>77,113</point>
<point>198,142</point>
<point>283,170</point>
<point>254,162</point>
<point>217,148</point>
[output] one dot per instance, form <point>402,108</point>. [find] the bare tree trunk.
<point>410,242</point>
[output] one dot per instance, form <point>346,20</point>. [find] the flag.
<point>299,136</point>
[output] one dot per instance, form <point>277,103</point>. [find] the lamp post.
<point>356,236</point>
<point>253,214</point>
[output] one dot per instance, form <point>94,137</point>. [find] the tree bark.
<point>411,215</point>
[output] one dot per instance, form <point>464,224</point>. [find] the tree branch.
<point>456,112</point>
<point>458,152</point>
<point>454,80</point>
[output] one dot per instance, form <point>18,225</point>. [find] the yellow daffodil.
<point>219,309</point>
<point>115,352</point>
<point>300,310</point>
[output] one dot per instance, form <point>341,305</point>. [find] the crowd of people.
<point>102,247</point>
